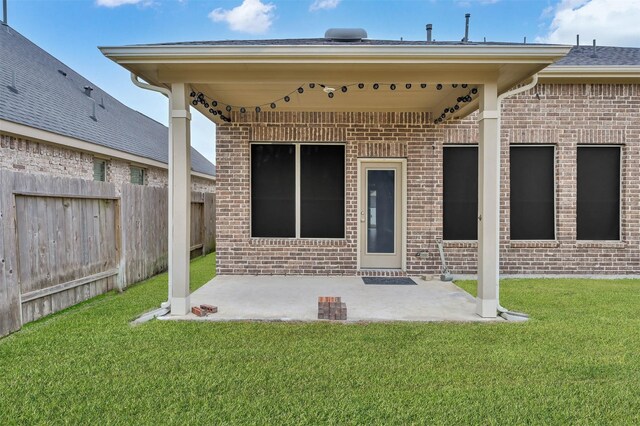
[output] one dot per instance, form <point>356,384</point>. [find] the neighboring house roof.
<point>50,96</point>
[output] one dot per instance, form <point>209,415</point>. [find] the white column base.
<point>487,308</point>
<point>180,306</point>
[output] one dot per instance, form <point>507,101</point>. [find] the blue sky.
<point>71,30</point>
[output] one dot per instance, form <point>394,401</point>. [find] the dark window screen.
<point>273,188</point>
<point>598,193</point>
<point>460,207</point>
<point>532,193</point>
<point>322,191</point>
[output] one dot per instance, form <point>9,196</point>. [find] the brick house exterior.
<point>565,116</point>
<point>332,154</point>
<point>36,157</point>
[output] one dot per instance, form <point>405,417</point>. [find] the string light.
<point>210,104</point>
<point>450,110</point>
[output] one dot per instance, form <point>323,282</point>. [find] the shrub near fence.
<point>63,241</point>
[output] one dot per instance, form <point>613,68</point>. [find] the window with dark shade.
<point>273,189</point>
<point>598,203</point>
<point>321,191</point>
<point>532,198</point>
<point>460,194</point>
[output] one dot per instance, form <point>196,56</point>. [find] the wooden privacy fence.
<point>63,241</point>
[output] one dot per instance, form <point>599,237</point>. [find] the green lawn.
<point>577,361</point>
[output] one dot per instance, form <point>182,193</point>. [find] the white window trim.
<point>620,198</point>
<point>298,190</point>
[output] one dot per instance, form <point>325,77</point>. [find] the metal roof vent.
<point>88,90</point>
<point>345,34</point>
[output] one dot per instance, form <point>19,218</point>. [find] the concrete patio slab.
<point>295,298</point>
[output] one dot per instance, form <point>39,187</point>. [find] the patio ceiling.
<point>249,76</point>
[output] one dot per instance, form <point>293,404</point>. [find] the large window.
<point>598,215</point>
<point>532,193</point>
<point>460,204</point>
<point>297,191</point>
<point>321,191</point>
<point>273,190</point>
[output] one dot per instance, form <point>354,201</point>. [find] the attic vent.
<point>63,73</point>
<point>88,90</point>
<point>345,34</point>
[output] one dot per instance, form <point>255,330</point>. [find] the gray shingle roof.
<point>48,100</point>
<point>605,55</point>
<point>579,55</point>
<point>329,42</point>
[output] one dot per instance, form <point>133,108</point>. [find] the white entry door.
<point>381,214</point>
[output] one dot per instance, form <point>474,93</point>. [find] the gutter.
<point>167,93</point>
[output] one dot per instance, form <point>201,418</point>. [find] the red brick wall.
<point>565,115</point>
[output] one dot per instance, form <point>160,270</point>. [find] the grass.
<point>577,361</point>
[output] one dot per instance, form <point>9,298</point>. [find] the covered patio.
<point>226,80</point>
<point>288,298</point>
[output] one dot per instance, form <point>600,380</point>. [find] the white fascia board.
<point>590,71</point>
<point>323,53</point>
<point>44,136</point>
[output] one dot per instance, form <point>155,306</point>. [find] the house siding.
<point>565,116</point>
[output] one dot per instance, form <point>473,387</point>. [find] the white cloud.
<point>252,16</point>
<point>324,4</point>
<point>610,22</point>
<point>116,3</point>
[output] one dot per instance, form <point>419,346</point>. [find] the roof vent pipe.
<point>4,12</point>
<point>466,27</point>
<point>594,54</point>
<point>88,90</point>
<point>429,31</point>
<point>577,39</point>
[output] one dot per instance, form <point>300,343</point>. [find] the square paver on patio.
<point>295,298</point>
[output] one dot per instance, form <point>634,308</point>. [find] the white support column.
<point>488,203</point>
<point>179,199</point>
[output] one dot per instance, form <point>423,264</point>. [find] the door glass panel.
<point>380,211</point>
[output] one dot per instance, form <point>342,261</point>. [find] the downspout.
<point>167,93</point>
<point>502,311</point>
